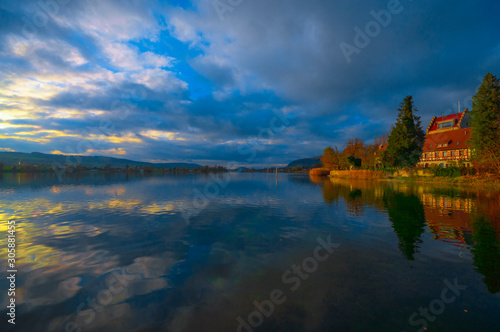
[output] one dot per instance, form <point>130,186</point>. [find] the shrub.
<point>320,171</point>
<point>451,172</point>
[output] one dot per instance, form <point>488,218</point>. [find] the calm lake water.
<point>243,252</point>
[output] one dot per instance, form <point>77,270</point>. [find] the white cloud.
<point>128,57</point>
<point>112,20</point>
<point>182,27</point>
<point>59,48</point>
<point>159,79</point>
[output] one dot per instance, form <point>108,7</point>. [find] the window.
<point>453,153</point>
<point>446,124</point>
<point>445,154</point>
<point>437,154</point>
<point>461,153</point>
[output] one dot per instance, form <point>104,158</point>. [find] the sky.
<point>252,82</point>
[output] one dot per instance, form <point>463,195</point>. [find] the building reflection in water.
<point>459,217</point>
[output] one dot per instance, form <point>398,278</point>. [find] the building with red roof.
<point>446,141</point>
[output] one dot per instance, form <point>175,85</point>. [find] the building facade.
<point>446,141</point>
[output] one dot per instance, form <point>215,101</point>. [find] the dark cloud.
<point>225,79</point>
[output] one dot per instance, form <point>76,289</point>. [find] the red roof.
<point>455,139</point>
<point>456,117</point>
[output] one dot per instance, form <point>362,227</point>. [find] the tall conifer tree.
<point>485,119</point>
<point>407,137</point>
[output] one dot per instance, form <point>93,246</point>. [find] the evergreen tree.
<point>407,137</point>
<point>485,119</point>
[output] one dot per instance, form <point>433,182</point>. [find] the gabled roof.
<point>452,117</point>
<point>455,139</point>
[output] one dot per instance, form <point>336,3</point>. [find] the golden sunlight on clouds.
<point>119,151</point>
<point>161,135</point>
<point>96,113</point>
<point>129,138</point>
<point>7,149</point>
<point>24,89</point>
<point>38,140</point>
<point>66,114</point>
<point>47,135</point>
<point>66,154</point>
<point>15,114</point>
<point>5,125</point>
<point>52,133</point>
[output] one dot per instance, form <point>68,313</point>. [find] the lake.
<point>248,252</point>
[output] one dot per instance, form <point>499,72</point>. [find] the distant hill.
<point>306,162</point>
<point>37,158</point>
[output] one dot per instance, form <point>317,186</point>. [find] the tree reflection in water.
<point>462,217</point>
<point>486,253</point>
<point>406,213</point>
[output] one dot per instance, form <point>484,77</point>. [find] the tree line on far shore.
<point>77,168</point>
<point>402,147</point>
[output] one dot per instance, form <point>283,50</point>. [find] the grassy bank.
<point>360,174</point>
<point>490,181</point>
<point>472,180</point>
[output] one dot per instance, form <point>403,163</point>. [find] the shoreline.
<point>462,181</point>
<point>472,181</point>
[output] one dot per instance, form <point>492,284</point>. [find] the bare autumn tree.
<point>354,152</point>
<point>331,158</point>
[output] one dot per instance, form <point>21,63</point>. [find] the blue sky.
<point>201,81</point>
